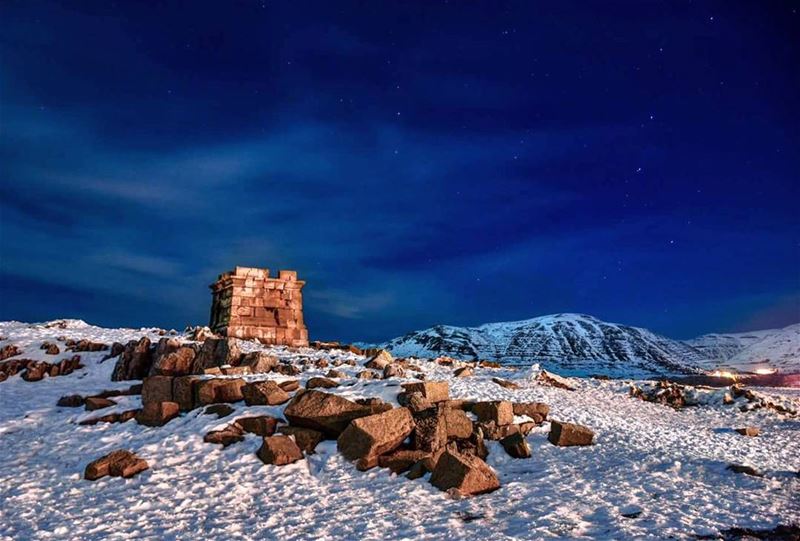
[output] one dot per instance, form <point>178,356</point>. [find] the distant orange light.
<point>724,374</point>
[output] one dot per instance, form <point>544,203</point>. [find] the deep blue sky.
<point>416,163</point>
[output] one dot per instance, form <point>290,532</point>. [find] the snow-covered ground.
<point>668,466</point>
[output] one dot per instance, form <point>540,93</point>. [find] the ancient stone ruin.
<point>247,303</point>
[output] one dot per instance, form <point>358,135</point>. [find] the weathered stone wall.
<point>247,303</point>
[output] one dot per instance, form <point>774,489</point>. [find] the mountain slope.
<point>573,344</point>
<point>773,348</point>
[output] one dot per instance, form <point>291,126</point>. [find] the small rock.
<point>157,413</point>
<point>50,348</point>
<point>70,401</point>
<point>184,390</point>
<point>369,437</point>
<point>467,473</point>
<point>367,374</point>
<point>259,362</point>
<point>459,425</point>
<point>305,438</point>
<point>95,403</point>
<point>516,446</point>
<point>290,385</point>
<point>220,410</point>
<point>750,431</point>
<point>747,470</point>
<point>554,380</point>
<point>537,411</point>
<point>433,391</point>
<point>279,451</point>
<point>157,389</point>
<point>117,463</point>
<point>336,374</point>
<point>499,412</point>
<point>505,383</point>
<point>116,417</point>
<point>393,371</point>
<point>401,460</point>
<point>430,429</point>
<point>464,372</point>
<point>264,393</point>
<point>328,413</point>
<point>227,436</point>
<point>380,360</point>
<point>260,425</point>
<point>212,391</point>
<point>320,382</point>
<point>568,434</point>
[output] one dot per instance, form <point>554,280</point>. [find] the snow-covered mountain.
<point>773,348</point>
<point>573,344</point>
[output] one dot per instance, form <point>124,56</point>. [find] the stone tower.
<point>247,303</point>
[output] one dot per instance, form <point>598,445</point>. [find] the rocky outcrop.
<point>135,361</point>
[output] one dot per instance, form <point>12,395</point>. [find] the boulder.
<point>260,425</point>
<point>279,451</point>
<point>498,412</point>
<point>472,446</point>
<point>380,360</point>
<point>184,390</point>
<point>368,374</point>
<point>220,410</point>
<point>117,464</point>
<point>750,431</point>
<point>516,446</point>
<point>116,417</point>
<point>290,385</point>
<point>401,460</point>
<point>537,411</point>
<point>459,425</point>
<point>116,350</point>
<point>157,389</point>
<point>464,372</point>
<point>235,370</point>
<point>157,413</point>
<point>433,391</point>
<point>305,438</point>
<point>264,393</point>
<point>70,401</point>
<point>430,429</point>
<point>227,436</point>
<point>287,369</point>
<point>338,374</point>
<point>367,438</point>
<point>35,371</point>
<point>210,391</point>
<point>554,380</point>
<point>50,348</point>
<point>468,474</point>
<point>493,431</point>
<point>414,401</point>
<point>95,403</point>
<point>393,370</point>
<point>134,362</point>
<point>9,351</point>
<point>177,362</point>
<point>85,345</point>
<point>259,362</point>
<point>217,352</point>
<point>568,434</point>
<point>505,383</point>
<point>321,383</point>
<point>328,413</point>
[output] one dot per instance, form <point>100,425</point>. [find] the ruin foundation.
<point>248,304</point>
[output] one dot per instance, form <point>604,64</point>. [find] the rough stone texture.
<point>95,403</point>
<point>116,417</point>
<point>261,425</point>
<point>184,389</point>
<point>499,412</point>
<point>211,391</point>
<point>368,374</point>
<point>493,431</point>
<point>157,413</point>
<point>217,352</point>
<point>264,393</point>
<point>516,446</point>
<point>393,371</point>
<point>157,389</point>
<point>306,438</point>
<point>236,370</point>
<point>289,385</point>
<point>434,391</point>
<point>459,425</point>
<point>9,351</point>
<point>750,431</point>
<point>466,473</point>
<point>537,411</point>
<point>259,362</point>
<point>554,380</point>
<point>380,360</point>
<point>321,383</point>
<point>568,434</point>
<point>279,451</point>
<point>84,345</point>
<point>117,464</point>
<point>505,383</point>
<point>247,303</point>
<point>134,362</point>
<point>227,436</point>
<point>414,401</point>
<point>401,460</point>
<point>327,412</point>
<point>430,429</point>
<point>369,437</point>
<point>174,363</point>
<point>338,374</point>
<point>50,348</point>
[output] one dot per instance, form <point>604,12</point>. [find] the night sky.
<point>416,162</point>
